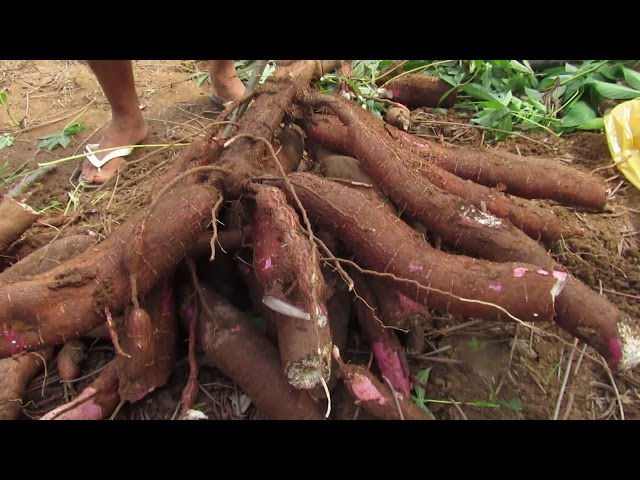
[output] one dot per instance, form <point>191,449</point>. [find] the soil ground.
<point>482,370</point>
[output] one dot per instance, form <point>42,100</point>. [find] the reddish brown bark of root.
<point>305,345</point>
<point>71,355</point>
<point>402,312</point>
<point>305,351</point>
<point>17,372</point>
<point>590,317</point>
<point>150,339</point>
<point>297,265</point>
<point>525,177</point>
<point>460,223</point>
<point>388,352</point>
<point>15,219</point>
<point>376,397</point>
<point>15,375</point>
<point>48,257</point>
<point>237,349</point>
<point>96,402</point>
<point>70,299</point>
<point>385,243</point>
<point>340,307</point>
<point>538,225</point>
<point>397,309</point>
<point>414,90</point>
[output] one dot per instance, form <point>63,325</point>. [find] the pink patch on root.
<point>82,410</point>
<point>615,352</point>
<point>497,288</point>
<point>86,411</point>
<point>543,272</point>
<point>420,144</point>
<point>363,389</point>
<point>268,264</point>
<point>519,272</point>
<point>396,92</point>
<point>559,275</point>
<point>16,344</point>
<point>415,267</point>
<point>142,395</point>
<point>410,307</point>
<point>391,367</point>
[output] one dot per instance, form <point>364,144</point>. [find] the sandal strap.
<point>117,153</point>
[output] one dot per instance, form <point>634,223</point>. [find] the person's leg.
<point>224,80</point>
<point>127,127</point>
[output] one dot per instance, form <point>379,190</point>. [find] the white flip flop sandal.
<point>75,178</point>
<point>117,153</point>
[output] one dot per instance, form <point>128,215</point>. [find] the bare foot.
<point>228,88</point>
<point>118,134</point>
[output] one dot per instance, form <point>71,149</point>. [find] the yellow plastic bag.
<point>622,127</point>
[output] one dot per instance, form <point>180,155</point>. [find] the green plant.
<point>361,84</point>
<point>61,138</point>
<point>200,77</point>
<point>74,199</point>
<point>503,96</point>
<point>8,174</point>
<point>419,398</point>
<point>476,345</point>
<point>509,94</point>
<point>5,105</point>
<point>515,404</point>
<point>54,205</point>
<point>6,141</point>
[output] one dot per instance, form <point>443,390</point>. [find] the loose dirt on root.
<point>477,370</point>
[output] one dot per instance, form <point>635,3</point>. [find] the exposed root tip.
<point>629,333</point>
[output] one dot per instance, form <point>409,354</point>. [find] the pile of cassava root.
<point>237,222</point>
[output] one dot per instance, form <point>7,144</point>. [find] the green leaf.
<point>491,118</point>
<point>593,124</point>
<point>475,344</point>
<point>516,104</point>
<point>482,403</point>
<point>505,124</point>
<point>536,104</point>
<point>493,105</point>
<point>64,141</point>
<point>611,72</point>
<point>6,141</point>
<point>522,68</point>
<point>487,76</point>
<point>616,92</point>
<point>570,68</point>
<point>73,129</point>
<point>48,144</point>
<point>632,77</point>
<point>3,98</point>
<point>201,80</point>
<point>423,375</point>
<point>515,405</point>
<point>531,93</point>
<point>578,114</point>
<point>507,99</point>
<point>49,136</point>
<point>51,141</point>
<point>479,92</point>
<point>202,76</point>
